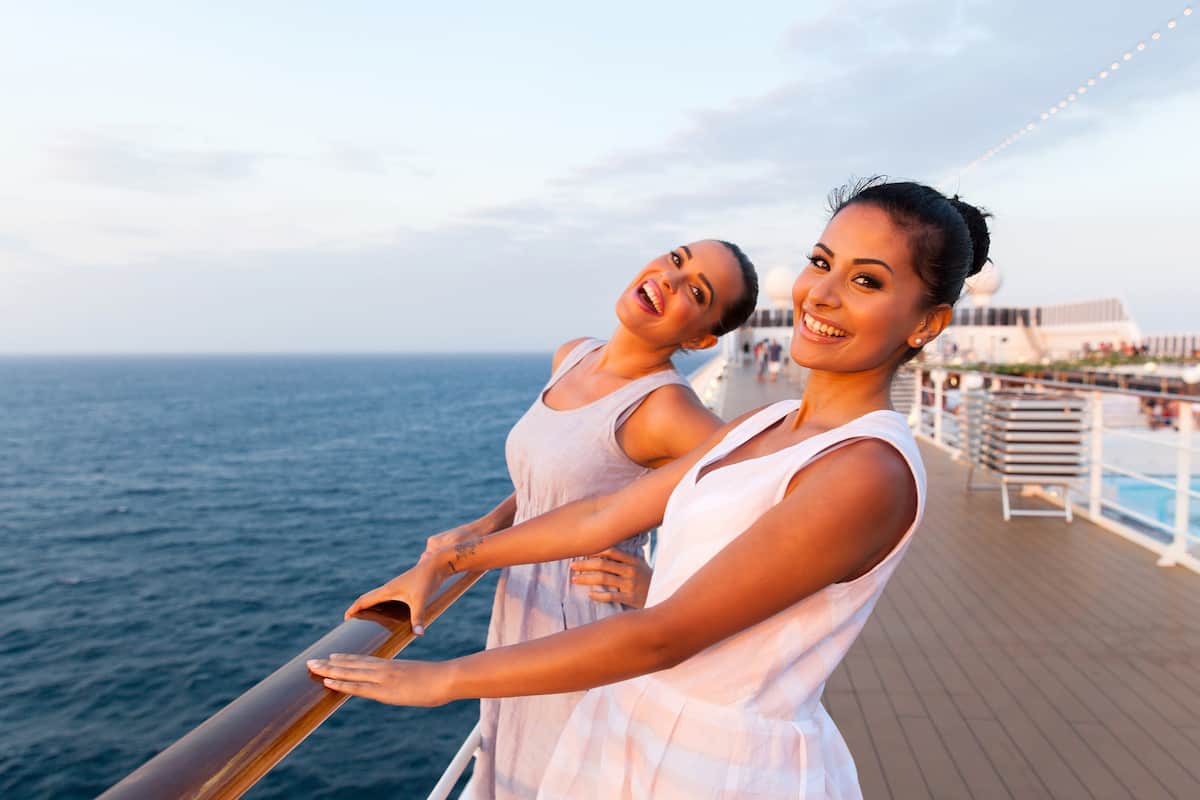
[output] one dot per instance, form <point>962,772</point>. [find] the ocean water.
<point>174,529</point>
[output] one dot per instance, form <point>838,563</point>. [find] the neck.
<point>835,398</point>
<point>630,357</point>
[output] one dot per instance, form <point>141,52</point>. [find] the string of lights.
<point>1091,83</point>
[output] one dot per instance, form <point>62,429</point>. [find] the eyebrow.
<point>712,293</point>
<point>883,264</point>
<point>686,249</point>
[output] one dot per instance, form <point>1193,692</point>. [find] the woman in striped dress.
<point>778,536</point>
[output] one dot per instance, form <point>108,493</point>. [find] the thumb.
<point>416,616</point>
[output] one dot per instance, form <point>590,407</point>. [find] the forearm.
<point>498,518</point>
<point>576,529</point>
<point>620,647</point>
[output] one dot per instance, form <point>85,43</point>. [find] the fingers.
<point>617,554</point>
<point>367,600</point>
<point>611,597</point>
<point>371,691</point>
<point>416,617</point>
<point>601,579</point>
<point>599,564</point>
<point>346,671</point>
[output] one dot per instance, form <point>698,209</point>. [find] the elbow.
<point>660,644</point>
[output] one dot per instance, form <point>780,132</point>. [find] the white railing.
<point>708,382</point>
<point>458,765</point>
<point>938,417</point>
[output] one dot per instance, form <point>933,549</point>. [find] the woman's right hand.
<point>414,588</point>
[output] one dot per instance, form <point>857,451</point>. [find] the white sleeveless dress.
<point>743,718</point>
<point>554,457</point>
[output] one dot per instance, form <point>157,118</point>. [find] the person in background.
<point>775,354</point>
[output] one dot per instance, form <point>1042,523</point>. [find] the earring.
<point>918,341</point>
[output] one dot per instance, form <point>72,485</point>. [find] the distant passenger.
<point>778,536</point>
<point>775,356</point>
<point>610,412</point>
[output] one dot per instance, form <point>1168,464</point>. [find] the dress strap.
<point>885,425</point>
<point>631,396</point>
<point>576,354</point>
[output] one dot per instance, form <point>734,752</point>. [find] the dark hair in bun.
<point>738,312</point>
<point>948,237</point>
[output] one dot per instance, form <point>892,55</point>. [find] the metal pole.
<point>914,418</point>
<point>939,382</point>
<point>1183,483</point>
<point>1096,457</point>
<point>457,765</point>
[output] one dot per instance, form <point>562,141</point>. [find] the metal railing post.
<point>914,418</point>
<point>1183,484</point>
<point>939,387</point>
<point>1096,457</point>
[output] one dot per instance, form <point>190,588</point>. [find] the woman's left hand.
<point>627,577</point>
<point>398,683</point>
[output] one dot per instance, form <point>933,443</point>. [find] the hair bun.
<point>981,240</point>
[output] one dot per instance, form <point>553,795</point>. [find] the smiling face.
<point>678,298</point>
<point>859,304</point>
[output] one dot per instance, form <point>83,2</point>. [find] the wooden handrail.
<point>228,753</point>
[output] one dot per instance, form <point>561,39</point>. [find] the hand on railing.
<point>399,683</point>
<point>627,577</point>
<point>414,588</point>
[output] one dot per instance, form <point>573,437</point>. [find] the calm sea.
<point>174,529</point>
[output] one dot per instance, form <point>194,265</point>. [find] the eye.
<point>867,281</point>
<point>697,293</point>
<point>675,259</point>
<point>818,262</point>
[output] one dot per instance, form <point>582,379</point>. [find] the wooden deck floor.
<point>1028,659</point>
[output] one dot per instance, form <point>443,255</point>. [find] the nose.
<point>823,290</point>
<point>668,282</point>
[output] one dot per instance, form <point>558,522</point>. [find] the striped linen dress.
<point>554,457</point>
<point>743,718</point>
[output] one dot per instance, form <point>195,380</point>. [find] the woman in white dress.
<point>777,538</point>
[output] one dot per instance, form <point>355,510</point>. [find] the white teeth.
<point>651,291</point>
<point>821,328</point>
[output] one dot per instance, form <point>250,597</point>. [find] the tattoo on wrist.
<point>462,551</point>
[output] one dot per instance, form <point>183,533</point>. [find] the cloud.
<point>369,161</point>
<point>914,90</point>
<point>145,166</point>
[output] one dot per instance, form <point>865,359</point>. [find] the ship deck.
<point>1022,659</point>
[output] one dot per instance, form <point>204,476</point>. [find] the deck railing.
<point>942,422</point>
<point>233,749</point>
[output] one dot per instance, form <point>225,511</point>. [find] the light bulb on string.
<point>1072,97</point>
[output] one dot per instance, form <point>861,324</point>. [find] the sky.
<point>387,177</point>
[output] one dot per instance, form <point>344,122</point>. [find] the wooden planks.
<point>1024,659</point>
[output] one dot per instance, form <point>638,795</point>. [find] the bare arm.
<point>495,520</point>
<point>669,423</point>
<point>595,523</point>
<point>775,563</point>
